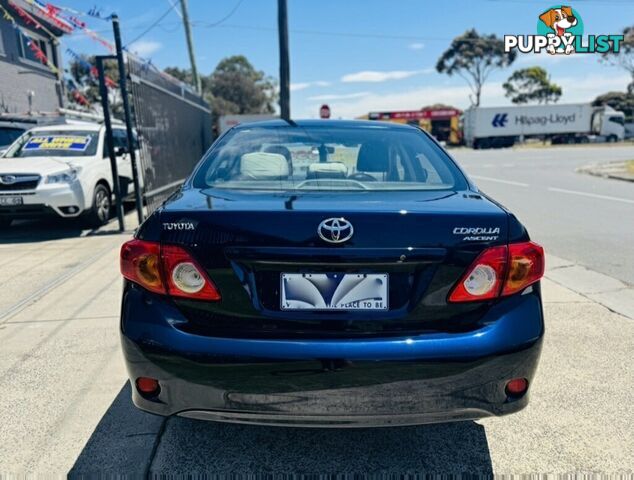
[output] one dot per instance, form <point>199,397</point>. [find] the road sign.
<point>324,111</point>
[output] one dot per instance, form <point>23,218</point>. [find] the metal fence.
<point>174,128</point>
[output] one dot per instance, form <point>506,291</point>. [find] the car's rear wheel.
<point>99,213</point>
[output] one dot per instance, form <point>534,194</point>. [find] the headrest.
<point>373,157</point>
<point>281,149</point>
<point>263,166</point>
<point>326,170</point>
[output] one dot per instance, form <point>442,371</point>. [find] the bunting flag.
<point>79,98</point>
<point>67,20</point>
<point>52,14</point>
<point>69,23</point>
<point>7,16</point>
<point>110,83</point>
<point>75,93</point>
<point>109,46</point>
<point>25,16</point>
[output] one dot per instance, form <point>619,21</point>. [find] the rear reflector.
<point>148,387</point>
<point>516,387</point>
<point>500,271</point>
<point>166,269</point>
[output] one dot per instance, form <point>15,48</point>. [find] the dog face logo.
<point>559,19</point>
<point>561,24</point>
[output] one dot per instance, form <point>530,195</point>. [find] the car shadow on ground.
<point>124,441</point>
<point>47,229</point>
<point>22,231</point>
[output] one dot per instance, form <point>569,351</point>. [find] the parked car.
<point>366,282</point>
<point>61,171</point>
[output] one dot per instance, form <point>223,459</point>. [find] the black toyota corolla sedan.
<point>331,273</point>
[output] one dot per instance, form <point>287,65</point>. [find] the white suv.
<point>61,170</point>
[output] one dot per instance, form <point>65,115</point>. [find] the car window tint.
<point>320,158</point>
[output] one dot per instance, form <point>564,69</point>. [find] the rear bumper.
<point>395,381</point>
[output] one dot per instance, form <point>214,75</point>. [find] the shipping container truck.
<point>497,127</point>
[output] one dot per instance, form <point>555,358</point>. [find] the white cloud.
<point>575,90</point>
<point>548,59</point>
<point>416,46</point>
<point>304,85</point>
<point>345,96</point>
<point>376,76</point>
<point>145,48</point>
<point>299,86</point>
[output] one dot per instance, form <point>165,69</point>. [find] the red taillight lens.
<point>185,278</point>
<point>500,271</point>
<point>526,266</point>
<point>140,263</point>
<point>484,278</point>
<point>166,269</point>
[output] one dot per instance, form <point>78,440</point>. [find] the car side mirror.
<point>120,151</point>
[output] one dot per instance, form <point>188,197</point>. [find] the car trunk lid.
<point>247,241</point>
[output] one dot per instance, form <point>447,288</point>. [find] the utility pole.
<point>282,25</point>
<point>190,47</point>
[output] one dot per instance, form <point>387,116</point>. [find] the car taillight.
<point>500,271</point>
<point>526,266</point>
<point>166,269</point>
<point>484,277</point>
<point>140,263</point>
<point>185,278</point>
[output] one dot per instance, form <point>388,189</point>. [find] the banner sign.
<point>76,143</point>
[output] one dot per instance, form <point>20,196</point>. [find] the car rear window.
<point>327,158</point>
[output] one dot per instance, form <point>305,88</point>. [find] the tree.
<point>473,57</point>
<point>234,87</point>
<point>625,57</point>
<point>531,84</point>
<point>181,74</point>
<point>619,101</point>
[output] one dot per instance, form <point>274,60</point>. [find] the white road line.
<point>591,195</point>
<point>499,180</point>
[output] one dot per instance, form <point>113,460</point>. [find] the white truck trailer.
<point>497,127</point>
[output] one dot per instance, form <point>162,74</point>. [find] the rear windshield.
<point>327,158</point>
<point>63,143</point>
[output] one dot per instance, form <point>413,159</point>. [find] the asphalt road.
<point>582,218</point>
<point>65,400</point>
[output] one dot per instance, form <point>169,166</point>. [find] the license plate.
<point>334,291</point>
<point>11,201</point>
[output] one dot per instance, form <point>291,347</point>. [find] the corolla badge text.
<point>478,234</point>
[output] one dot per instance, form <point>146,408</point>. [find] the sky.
<point>359,55</point>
